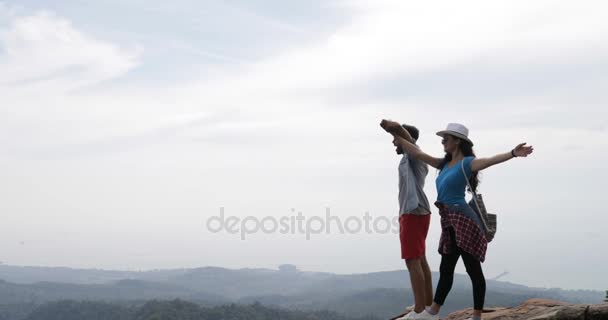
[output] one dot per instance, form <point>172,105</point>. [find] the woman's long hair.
<point>467,150</point>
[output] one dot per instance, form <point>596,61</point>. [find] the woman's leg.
<point>446,279</point>
<point>478,280</point>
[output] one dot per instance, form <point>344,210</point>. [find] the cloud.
<point>405,38</point>
<point>43,50</point>
<point>389,55</point>
<point>520,64</point>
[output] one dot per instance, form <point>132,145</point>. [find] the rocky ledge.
<point>540,309</point>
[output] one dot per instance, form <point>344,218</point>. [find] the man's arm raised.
<point>395,128</point>
<point>405,140</point>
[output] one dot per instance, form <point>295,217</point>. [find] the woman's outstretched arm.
<point>521,150</point>
<point>415,152</point>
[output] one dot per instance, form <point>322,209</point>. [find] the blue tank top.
<point>451,183</point>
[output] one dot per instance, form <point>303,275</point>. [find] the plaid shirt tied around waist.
<point>469,235</point>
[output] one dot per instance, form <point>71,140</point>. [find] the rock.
<point>575,312</point>
<point>598,312</point>
<point>540,309</point>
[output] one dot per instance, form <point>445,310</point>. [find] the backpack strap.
<point>479,212</point>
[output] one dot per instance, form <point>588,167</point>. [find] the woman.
<point>462,233</point>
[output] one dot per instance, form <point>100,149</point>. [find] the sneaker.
<point>424,315</point>
<point>401,316</point>
<point>404,313</point>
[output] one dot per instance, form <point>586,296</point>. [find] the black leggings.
<point>446,275</point>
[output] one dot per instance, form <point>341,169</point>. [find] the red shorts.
<point>413,230</point>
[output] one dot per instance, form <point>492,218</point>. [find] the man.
<point>414,221</point>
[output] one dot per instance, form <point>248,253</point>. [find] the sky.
<point>127,126</point>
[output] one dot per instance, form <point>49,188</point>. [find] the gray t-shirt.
<point>412,174</point>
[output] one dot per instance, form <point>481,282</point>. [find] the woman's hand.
<point>522,150</point>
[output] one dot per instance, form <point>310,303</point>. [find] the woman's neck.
<point>457,156</point>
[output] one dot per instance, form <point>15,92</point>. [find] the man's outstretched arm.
<point>395,128</point>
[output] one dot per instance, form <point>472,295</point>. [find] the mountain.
<point>32,274</point>
<point>81,310</point>
<point>172,310</point>
<point>379,293</point>
<point>122,290</point>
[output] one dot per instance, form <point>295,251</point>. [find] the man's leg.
<point>416,228</point>
<point>405,236</point>
<point>428,282</point>
<point>414,267</point>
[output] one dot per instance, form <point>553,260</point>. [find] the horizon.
<point>277,270</point>
<point>126,126</point>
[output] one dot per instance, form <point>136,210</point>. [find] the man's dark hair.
<point>413,131</point>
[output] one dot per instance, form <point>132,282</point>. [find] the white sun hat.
<point>457,130</point>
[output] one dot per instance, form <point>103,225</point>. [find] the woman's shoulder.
<point>467,164</point>
<point>468,159</point>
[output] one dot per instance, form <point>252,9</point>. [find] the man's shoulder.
<point>417,162</point>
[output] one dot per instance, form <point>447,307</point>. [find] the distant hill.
<point>81,310</point>
<point>379,293</point>
<point>122,290</point>
<point>173,310</point>
<point>31,274</point>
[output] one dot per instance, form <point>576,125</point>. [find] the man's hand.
<point>389,125</point>
<point>396,130</point>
